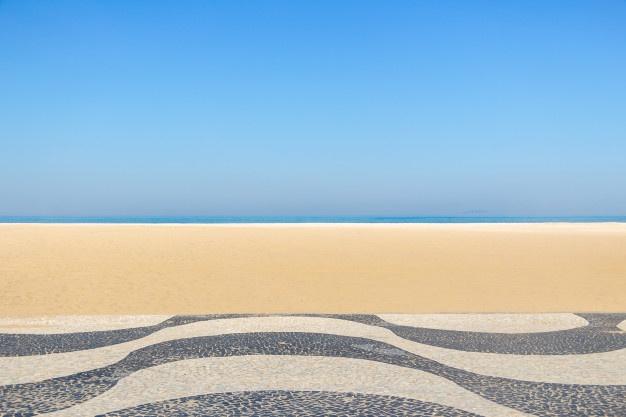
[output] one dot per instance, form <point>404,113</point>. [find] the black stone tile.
<point>291,403</point>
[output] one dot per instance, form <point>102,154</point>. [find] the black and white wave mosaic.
<point>319,365</point>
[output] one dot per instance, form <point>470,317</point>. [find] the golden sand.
<point>152,269</point>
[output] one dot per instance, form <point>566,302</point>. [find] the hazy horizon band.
<point>307,219</point>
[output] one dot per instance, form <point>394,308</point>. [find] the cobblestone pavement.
<point>315,365</point>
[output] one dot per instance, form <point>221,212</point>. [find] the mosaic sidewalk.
<point>490,365</point>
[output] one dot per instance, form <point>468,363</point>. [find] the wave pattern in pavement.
<point>601,334</point>
<point>520,396</point>
<point>292,403</point>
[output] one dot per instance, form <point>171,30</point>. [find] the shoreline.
<point>321,224</point>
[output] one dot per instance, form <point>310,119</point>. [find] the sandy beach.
<point>48,269</point>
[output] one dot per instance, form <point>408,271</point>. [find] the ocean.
<point>309,219</point>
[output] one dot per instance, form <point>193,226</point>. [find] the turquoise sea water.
<point>311,219</point>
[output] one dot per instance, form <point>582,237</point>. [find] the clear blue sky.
<point>312,107</point>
